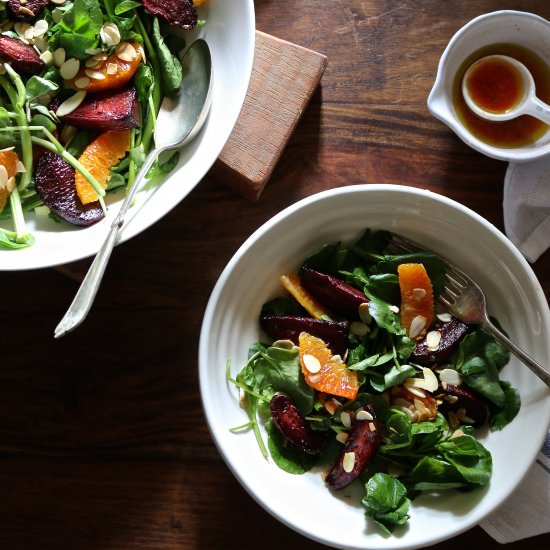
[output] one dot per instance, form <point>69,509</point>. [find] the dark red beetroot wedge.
<point>452,334</point>
<point>292,425</point>
<point>118,110</point>
<point>455,398</point>
<point>332,292</point>
<point>26,10</point>
<point>55,183</point>
<point>180,13</point>
<point>22,57</point>
<point>362,443</point>
<point>288,327</point>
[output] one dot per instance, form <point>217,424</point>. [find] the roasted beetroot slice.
<point>332,292</point>
<point>55,183</point>
<point>456,398</point>
<point>22,57</point>
<point>180,13</point>
<point>288,327</point>
<point>363,442</point>
<point>114,111</point>
<point>292,425</point>
<point>452,334</point>
<point>26,11</point>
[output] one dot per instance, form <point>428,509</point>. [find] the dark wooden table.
<point>103,442</point>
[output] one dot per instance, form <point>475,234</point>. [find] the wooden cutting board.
<point>284,77</point>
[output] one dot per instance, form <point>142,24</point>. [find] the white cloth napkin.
<point>527,206</point>
<point>526,512</point>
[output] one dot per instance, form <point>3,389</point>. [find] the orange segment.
<point>417,299</point>
<point>110,73</point>
<point>8,160</point>
<point>292,284</point>
<point>323,371</point>
<point>99,157</point>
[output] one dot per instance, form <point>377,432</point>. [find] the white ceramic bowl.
<point>506,26</point>
<point>230,325</point>
<point>230,34</point>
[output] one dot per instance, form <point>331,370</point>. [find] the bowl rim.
<point>210,310</point>
<point>452,121</point>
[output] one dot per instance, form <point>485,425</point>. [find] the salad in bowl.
<point>81,83</point>
<point>361,377</point>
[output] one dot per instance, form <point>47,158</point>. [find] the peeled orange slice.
<point>292,284</point>
<point>324,371</point>
<point>417,299</point>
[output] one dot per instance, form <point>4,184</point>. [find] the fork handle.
<point>535,367</point>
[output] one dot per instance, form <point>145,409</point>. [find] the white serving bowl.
<point>230,325</point>
<point>230,33</point>
<point>505,26</point>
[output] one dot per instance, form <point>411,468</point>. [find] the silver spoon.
<point>528,103</point>
<point>178,122</point>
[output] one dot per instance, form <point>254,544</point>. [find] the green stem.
<point>18,218</point>
<point>132,164</point>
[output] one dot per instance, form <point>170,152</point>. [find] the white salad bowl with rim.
<point>251,278</point>
<point>230,34</point>
<point>505,26</point>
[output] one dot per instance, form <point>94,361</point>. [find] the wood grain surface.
<point>103,442</point>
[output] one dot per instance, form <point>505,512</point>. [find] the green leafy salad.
<point>81,84</point>
<point>364,378</point>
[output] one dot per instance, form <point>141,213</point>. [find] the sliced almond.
<point>3,177</point>
<point>82,82</point>
<point>58,2</point>
<point>337,359</point>
<point>372,426</point>
<point>364,415</point>
<point>418,324</point>
<point>70,104</point>
<point>394,309</point>
<point>311,363</point>
<point>416,391</point>
<point>25,11</point>
<point>444,317</point>
<point>126,52</point>
<point>69,69</point>
<point>40,27</point>
<point>314,378</point>
<point>358,329</point>
<point>19,167</point>
<point>92,51</point>
<point>23,29</point>
<point>364,313</point>
<point>342,437</point>
<point>285,344</point>
<point>433,338</point>
<point>450,377</point>
<point>47,57</point>
<point>348,462</point>
<point>59,56</point>
<point>57,14</point>
<point>345,418</point>
<point>110,35</point>
<point>68,133</point>
<point>94,75</point>
<point>430,379</point>
<point>418,294</point>
<point>92,63</point>
<point>112,68</point>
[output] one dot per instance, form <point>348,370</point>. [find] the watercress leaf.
<point>432,473</point>
<point>125,6</point>
<point>399,432</point>
<point>170,66</point>
<point>393,375</point>
<point>287,456</point>
<point>255,348</point>
<point>116,181</point>
<point>385,318</point>
<point>385,286</point>
<point>322,260</point>
<point>280,368</point>
<point>479,358</point>
<point>375,360</point>
<point>38,86</point>
<point>470,458</point>
<point>373,242</point>
<point>80,142</point>
<point>386,501</point>
<point>7,139</point>
<point>166,162</point>
<point>283,305</point>
<point>38,119</point>
<point>144,82</point>
<point>78,29</point>
<point>512,404</point>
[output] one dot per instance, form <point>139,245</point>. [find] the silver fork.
<point>465,300</point>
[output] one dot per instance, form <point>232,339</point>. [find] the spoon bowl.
<point>526,103</point>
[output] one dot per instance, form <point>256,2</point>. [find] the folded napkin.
<point>526,512</point>
<point>527,206</point>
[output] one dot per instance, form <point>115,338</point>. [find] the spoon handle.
<point>538,109</point>
<point>84,298</point>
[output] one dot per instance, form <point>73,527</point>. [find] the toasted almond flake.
<point>112,68</point>
<point>40,27</point>
<point>82,82</point>
<point>444,317</point>
<point>364,313</point>
<point>314,378</point>
<point>372,426</point>
<point>430,379</point>
<point>416,391</point>
<point>414,382</point>
<point>406,410</point>
<point>57,15</point>
<point>433,338</point>
<point>400,402</point>
<point>11,184</point>
<point>126,52</point>
<point>22,28</point>
<point>242,397</point>
<point>311,363</point>
<point>70,104</point>
<point>418,324</point>
<point>418,294</point>
<point>342,437</point>
<point>26,11</point>
<point>345,418</point>
<point>419,405</point>
<point>19,167</point>
<point>457,433</point>
<point>23,2</point>
<point>3,177</point>
<point>92,51</point>
<point>348,462</point>
<point>59,56</point>
<point>358,329</point>
<point>92,63</point>
<point>337,359</point>
<point>330,407</point>
<point>450,398</point>
<point>69,69</point>
<point>47,57</point>
<point>12,148</point>
<point>94,75</point>
<point>373,333</point>
<point>41,43</point>
<point>450,376</point>
<point>57,2</point>
<point>364,415</point>
<point>394,309</point>
<point>110,35</point>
